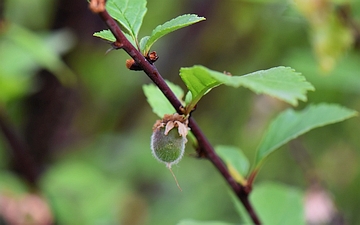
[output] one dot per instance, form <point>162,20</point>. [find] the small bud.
<point>152,57</point>
<point>168,140</point>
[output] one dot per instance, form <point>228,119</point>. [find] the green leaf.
<point>67,184</point>
<point>158,102</point>
<point>106,35</point>
<point>168,27</point>
<point>235,160</point>
<point>143,42</point>
<point>199,81</point>
<point>15,81</point>
<point>12,184</point>
<point>129,13</point>
<point>278,204</point>
<point>194,222</point>
<point>291,124</point>
<point>279,82</point>
<point>33,48</point>
<point>274,204</point>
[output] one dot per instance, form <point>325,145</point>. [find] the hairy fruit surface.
<point>168,140</point>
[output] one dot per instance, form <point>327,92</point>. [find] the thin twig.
<point>204,145</point>
<point>22,159</point>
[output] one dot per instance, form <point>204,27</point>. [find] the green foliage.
<point>280,82</point>
<point>291,124</point>
<point>43,55</point>
<point>284,128</point>
<point>199,82</point>
<point>106,35</point>
<point>130,15</point>
<point>168,27</point>
<point>15,81</point>
<point>282,205</point>
<point>158,102</point>
<point>235,160</point>
<point>22,53</point>
<point>77,199</point>
<point>193,222</point>
<point>12,184</point>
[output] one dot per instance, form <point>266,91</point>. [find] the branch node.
<point>117,45</point>
<point>114,46</point>
<point>132,65</point>
<point>152,57</point>
<point>182,110</point>
<point>200,153</point>
<point>247,189</point>
<point>97,6</point>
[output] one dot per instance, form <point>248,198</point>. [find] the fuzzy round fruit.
<point>168,140</point>
<point>167,147</point>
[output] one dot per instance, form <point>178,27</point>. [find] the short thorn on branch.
<point>97,6</point>
<point>114,46</point>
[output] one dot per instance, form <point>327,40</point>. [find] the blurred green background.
<point>86,123</point>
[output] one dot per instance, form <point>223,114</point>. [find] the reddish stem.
<point>251,178</point>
